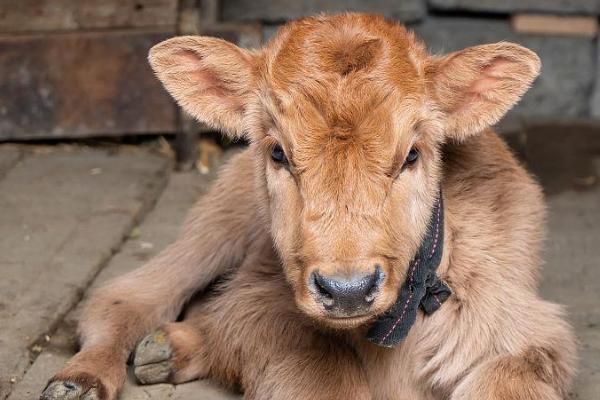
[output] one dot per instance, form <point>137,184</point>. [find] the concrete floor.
<point>72,217</point>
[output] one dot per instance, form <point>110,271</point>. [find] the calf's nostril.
<point>320,284</point>
<point>69,385</point>
<point>375,283</point>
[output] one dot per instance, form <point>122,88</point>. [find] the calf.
<point>375,240</point>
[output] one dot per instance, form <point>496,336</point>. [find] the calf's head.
<point>345,115</point>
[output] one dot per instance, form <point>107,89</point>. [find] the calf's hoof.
<point>153,360</point>
<point>71,390</point>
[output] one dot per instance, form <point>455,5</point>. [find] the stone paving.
<point>72,217</point>
<point>64,214</point>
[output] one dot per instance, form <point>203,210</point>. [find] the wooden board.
<point>49,15</point>
<point>555,25</point>
<point>78,85</point>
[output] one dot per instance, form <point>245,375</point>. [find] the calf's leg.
<point>536,374</point>
<point>215,238</point>
<point>252,337</point>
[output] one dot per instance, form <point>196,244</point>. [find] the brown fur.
<point>346,97</point>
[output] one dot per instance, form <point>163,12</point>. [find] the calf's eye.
<point>278,155</point>
<point>412,156</point>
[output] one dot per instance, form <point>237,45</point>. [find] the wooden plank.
<point>555,25</point>
<point>78,85</point>
<point>282,10</point>
<point>45,15</point>
<point>573,7</point>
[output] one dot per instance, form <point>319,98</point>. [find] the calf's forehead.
<point>343,76</point>
<point>344,45</point>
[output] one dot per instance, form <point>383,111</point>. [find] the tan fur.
<point>346,97</point>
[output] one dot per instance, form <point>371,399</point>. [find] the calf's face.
<point>345,115</point>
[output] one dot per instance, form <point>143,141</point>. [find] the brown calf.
<point>354,132</point>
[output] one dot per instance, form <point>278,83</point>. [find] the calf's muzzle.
<point>346,296</point>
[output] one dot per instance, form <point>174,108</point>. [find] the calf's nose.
<point>347,295</point>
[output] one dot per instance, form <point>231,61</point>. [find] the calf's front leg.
<point>118,315</point>
<point>250,335</point>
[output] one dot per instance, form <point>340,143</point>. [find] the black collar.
<point>422,286</point>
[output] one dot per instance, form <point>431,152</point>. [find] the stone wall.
<point>72,68</point>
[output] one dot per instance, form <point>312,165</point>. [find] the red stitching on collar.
<point>410,280</point>
<point>437,232</point>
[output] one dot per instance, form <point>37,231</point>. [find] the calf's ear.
<point>475,87</point>
<point>210,78</point>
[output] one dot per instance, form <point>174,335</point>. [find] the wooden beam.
<point>58,15</point>
<point>81,85</point>
<point>555,25</point>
